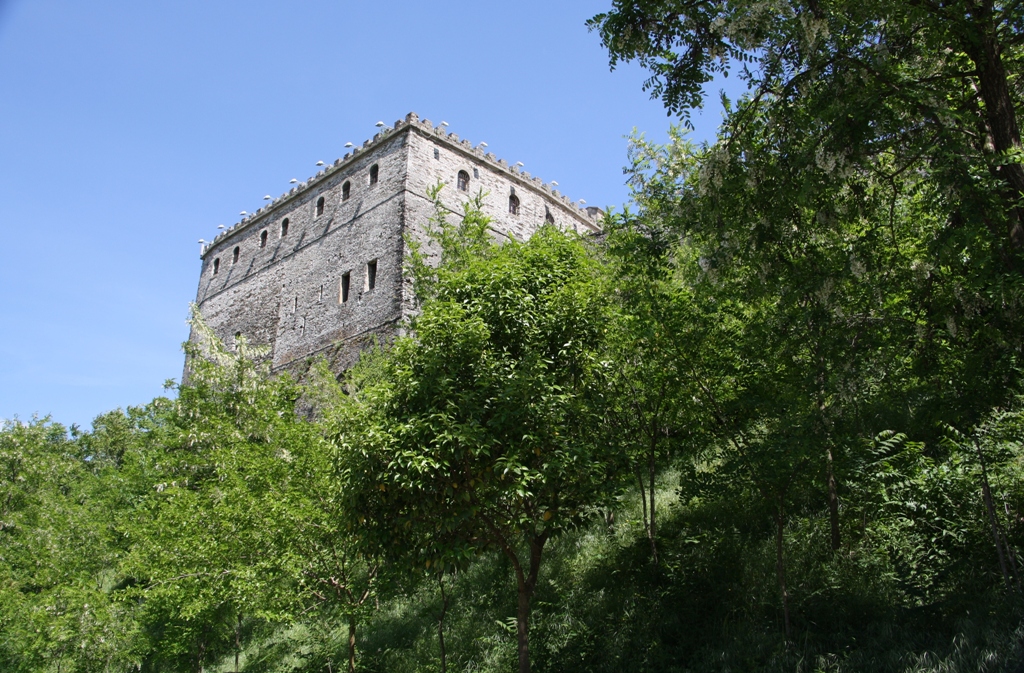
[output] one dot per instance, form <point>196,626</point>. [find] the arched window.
<point>548,217</point>
<point>513,204</point>
<point>373,174</point>
<point>263,238</point>
<point>463,181</point>
<point>234,255</point>
<point>284,228</point>
<point>320,206</point>
<point>216,265</point>
<point>346,190</point>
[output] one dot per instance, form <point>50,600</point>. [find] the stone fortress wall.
<point>318,271</point>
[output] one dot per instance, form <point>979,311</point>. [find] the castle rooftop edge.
<point>409,123</point>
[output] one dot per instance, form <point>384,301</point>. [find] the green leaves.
<point>478,432</point>
<point>58,549</point>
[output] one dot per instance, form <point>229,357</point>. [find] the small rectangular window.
<point>437,153</point>
<point>476,172</point>
<point>371,275</point>
<point>343,297</point>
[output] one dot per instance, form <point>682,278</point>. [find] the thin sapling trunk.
<point>352,643</point>
<point>440,623</point>
<point>986,495</point>
<point>780,565</point>
<point>526,583</point>
<point>238,640</point>
<point>833,501</point>
<point>652,530</point>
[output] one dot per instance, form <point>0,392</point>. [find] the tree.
<point>920,78</point>
<point>858,200</point>
<point>477,433</point>
<point>242,518</point>
<point>888,128</point>
<point>859,216</point>
<point>58,556</point>
<point>207,527</point>
<point>660,345</point>
<point>991,449</point>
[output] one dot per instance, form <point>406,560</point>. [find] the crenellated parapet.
<point>589,218</point>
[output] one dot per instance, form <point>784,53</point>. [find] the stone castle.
<point>318,271</point>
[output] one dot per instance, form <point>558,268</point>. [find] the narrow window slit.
<point>371,275</point>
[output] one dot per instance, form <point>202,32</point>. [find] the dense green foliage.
<point>771,420</point>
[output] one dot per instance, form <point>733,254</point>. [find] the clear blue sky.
<point>129,130</point>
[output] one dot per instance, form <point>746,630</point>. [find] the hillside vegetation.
<point>771,420</point>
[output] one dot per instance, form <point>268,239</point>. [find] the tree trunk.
<point>982,46</point>
<point>833,501</point>
<point>647,500</point>
<point>440,623</point>
<point>652,531</point>
<point>1011,555</point>
<point>525,584</point>
<point>830,475</point>
<point>780,565</point>
<point>986,496</point>
<point>643,499</point>
<point>351,644</point>
<point>238,640</point>
<point>201,651</point>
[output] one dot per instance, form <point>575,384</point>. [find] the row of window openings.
<point>462,183</point>
<point>513,207</point>
<point>346,190</point>
<point>237,252</point>
<point>346,284</point>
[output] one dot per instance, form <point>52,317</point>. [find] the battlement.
<point>590,217</point>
